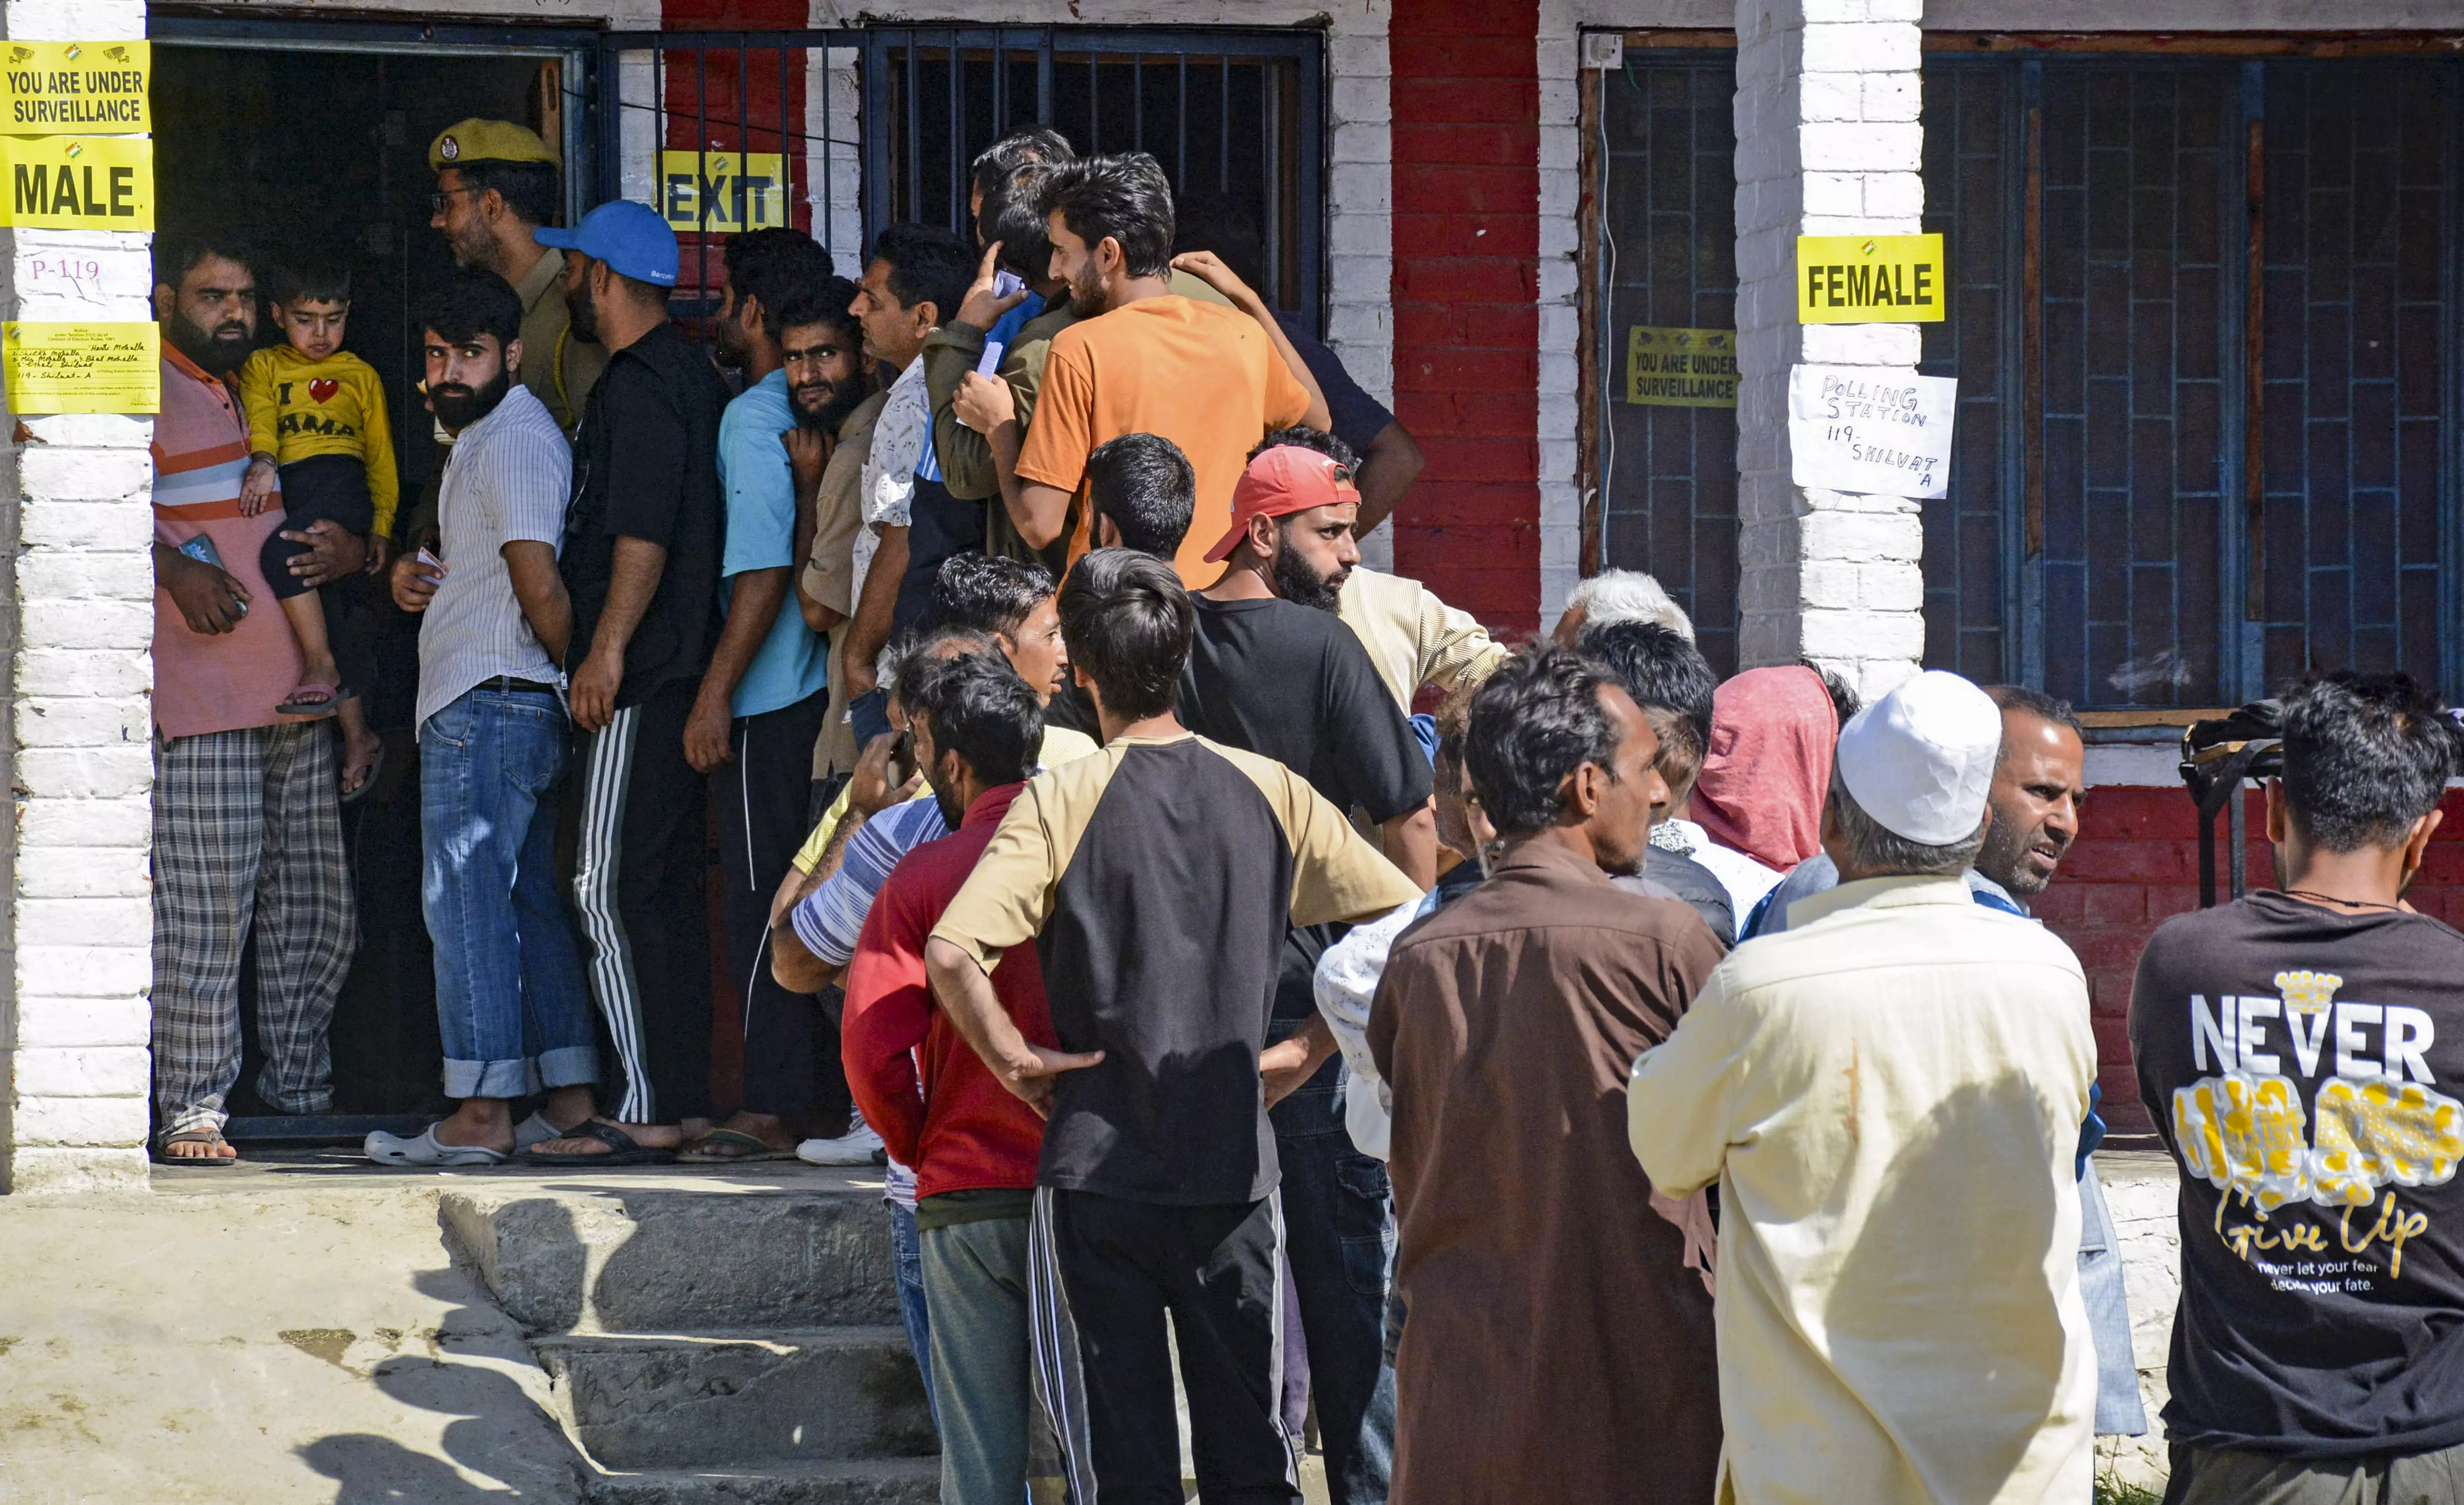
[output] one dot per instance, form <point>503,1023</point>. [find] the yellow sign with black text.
<point>77,182</point>
<point>1869,280</point>
<point>721,191</point>
<point>1681,367</point>
<point>68,367</point>
<point>54,88</point>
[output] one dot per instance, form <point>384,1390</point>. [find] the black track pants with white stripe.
<point>640,887</point>
<point>1103,1274</point>
<point>760,795</point>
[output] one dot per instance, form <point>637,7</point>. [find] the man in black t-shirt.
<point>2301,1052</point>
<point>1156,880</point>
<point>1272,670</point>
<point>642,546</point>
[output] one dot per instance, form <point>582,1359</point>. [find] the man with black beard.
<point>763,698</point>
<point>247,837</point>
<point>830,390</point>
<point>511,1002</point>
<point>1273,670</point>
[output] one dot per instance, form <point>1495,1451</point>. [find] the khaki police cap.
<point>475,140</point>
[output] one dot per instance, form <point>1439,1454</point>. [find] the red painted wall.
<point>2136,864</point>
<point>1466,104</point>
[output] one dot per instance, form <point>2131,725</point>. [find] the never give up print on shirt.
<point>2303,1065</point>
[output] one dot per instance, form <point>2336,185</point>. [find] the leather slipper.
<point>731,1147</point>
<point>622,1149</point>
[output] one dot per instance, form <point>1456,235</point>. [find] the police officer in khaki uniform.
<point>495,183</point>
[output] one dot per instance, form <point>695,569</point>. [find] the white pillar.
<point>1827,143</point>
<point>79,616</point>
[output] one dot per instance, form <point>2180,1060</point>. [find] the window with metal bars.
<point>2201,312</point>
<point>898,114</point>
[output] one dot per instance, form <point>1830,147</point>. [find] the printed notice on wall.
<point>721,191</point>
<point>1870,279</point>
<point>77,182</point>
<point>1681,367</point>
<point>57,88</point>
<point>1874,431</point>
<point>69,367</point>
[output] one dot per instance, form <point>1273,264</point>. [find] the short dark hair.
<point>1012,216</point>
<point>1844,703</point>
<point>1225,225</point>
<point>473,302</point>
<point>976,706</point>
<point>529,189</point>
<point>928,264</point>
<point>1537,718</point>
<point>828,301</point>
<point>1660,670</point>
<point>1302,437</point>
<point>1125,197</point>
<point>1127,622</point>
<point>1025,144</point>
<point>1147,487</point>
<point>2364,757</point>
<point>316,282</point>
<point>913,651</point>
<point>2036,703</point>
<point>987,592</point>
<point>771,267</point>
<point>175,256</point>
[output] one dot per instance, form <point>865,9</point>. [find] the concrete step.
<point>887,1481</point>
<point>785,1398</point>
<point>624,1260</point>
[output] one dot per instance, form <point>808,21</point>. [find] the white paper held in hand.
<point>1877,431</point>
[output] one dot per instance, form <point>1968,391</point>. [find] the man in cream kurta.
<point>1889,1097</point>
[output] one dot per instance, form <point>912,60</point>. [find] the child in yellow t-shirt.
<point>321,439</point>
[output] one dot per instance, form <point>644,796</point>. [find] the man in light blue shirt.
<point>763,699</point>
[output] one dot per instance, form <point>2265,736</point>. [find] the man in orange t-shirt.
<point>1213,380</point>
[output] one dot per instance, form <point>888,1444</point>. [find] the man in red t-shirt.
<point>973,1144</point>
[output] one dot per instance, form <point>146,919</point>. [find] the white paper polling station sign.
<point>1858,428</point>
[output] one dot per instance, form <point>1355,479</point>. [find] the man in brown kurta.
<point>1557,1341</point>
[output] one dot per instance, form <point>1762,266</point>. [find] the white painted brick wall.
<point>80,615</point>
<point>1561,280</point>
<point>1828,143</point>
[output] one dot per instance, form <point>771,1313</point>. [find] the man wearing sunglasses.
<point>495,183</point>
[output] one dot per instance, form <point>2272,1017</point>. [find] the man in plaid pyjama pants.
<point>247,835</point>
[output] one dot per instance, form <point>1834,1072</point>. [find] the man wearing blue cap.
<point>641,559</point>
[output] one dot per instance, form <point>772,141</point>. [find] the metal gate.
<point>841,132</point>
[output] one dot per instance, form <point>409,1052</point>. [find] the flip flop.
<point>622,1149</point>
<point>425,1150</point>
<point>368,785</point>
<point>748,1148</point>
<point>163,1156</point>
<point>315,710</point>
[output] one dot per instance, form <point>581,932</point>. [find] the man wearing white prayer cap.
<point>1889,1095</point>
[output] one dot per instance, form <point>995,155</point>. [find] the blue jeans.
<point>510,997</point>
<point>907,1265</point>
<point>1339,1235</point>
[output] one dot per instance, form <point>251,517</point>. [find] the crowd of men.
<point>1619,1084</point>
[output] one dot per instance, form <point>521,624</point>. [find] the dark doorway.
<point>330,161</point>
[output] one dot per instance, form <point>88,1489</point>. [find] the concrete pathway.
<point>278,1333</point>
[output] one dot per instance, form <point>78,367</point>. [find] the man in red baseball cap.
<point>1270,675</point>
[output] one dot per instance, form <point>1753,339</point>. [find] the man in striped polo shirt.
<point>247,830</point>
<point>511,1004</point>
